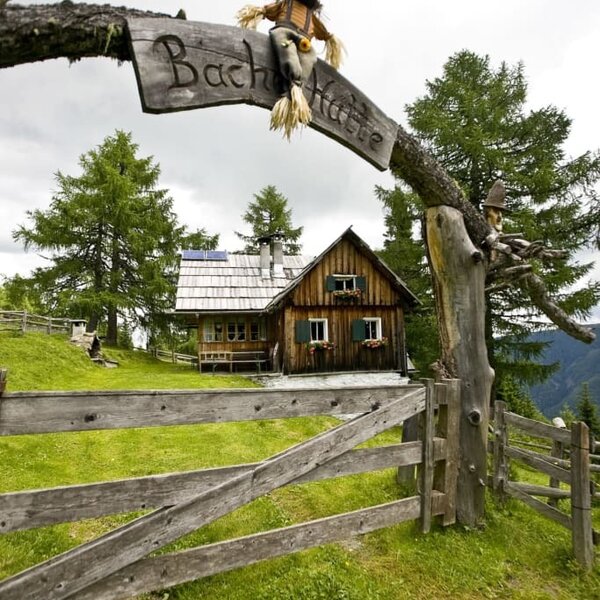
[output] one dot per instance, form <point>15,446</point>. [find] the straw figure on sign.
<point>297,22</point>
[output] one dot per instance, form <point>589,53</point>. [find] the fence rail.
<point>188,500</point>
<point>575,472</point>
<point>24,321</point>
<point>174,357</point>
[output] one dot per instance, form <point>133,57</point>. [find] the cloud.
<point>214,160</point>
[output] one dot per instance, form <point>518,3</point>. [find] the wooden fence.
<point>24,321</point>
<point>116,564</point>
<point>548,457</point>
<point>172,356</point>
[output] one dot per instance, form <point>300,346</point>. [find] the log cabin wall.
<point>314,299</point>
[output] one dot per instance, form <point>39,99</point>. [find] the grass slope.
<point>516,555</point>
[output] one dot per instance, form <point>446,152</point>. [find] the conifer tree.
<point>111,238</point>
<point>404,252</point>
<point>267,214</point>
<point>587,411</point>
<point>474,120</point>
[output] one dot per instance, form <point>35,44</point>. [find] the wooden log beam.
<point>538,429</point>
<point>40,508</point>
<point>539,506</point>
<point>172,569</point>
<point>73,571</point>
<point>51,412</point>
<point>541,464</point>
<point>64,30</point>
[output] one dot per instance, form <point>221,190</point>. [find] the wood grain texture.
<point>47,412</point>
<point>581,498</point>
<point>459,283</point>
<point>428,463</point>
<point>182,65</point>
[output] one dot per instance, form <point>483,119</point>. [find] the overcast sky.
<point>214,160</point>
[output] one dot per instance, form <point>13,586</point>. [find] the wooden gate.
<point>552,444</point>
<point>115,564</point>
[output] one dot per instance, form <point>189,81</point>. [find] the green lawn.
<point>516,555</point>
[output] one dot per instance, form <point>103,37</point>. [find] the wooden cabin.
<point>341,311</point>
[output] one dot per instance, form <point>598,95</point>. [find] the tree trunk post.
<point>458,273</point>
<point>581,497</point>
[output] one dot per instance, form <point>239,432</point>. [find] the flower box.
<point>372,344</point>
<point>347,294</point>
<point>313,347</point>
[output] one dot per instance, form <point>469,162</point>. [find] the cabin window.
<point>236,330</point>
<point>368,328</point>
<point>345,283</point>
<point>318,330</point>
<point>213,330</point>
<point>257,330</point>
<point>372,328</point>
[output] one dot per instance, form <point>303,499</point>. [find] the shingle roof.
<point>233,284</point>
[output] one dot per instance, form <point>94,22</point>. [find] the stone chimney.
<point>265,257</point>
<point>277,241</point>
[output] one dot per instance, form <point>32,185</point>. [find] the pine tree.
<point>587,411</point>
<point>474,120</point>
<point>269,214</point>
<point>199,240</point>
<point>111,236</point>
<point>404,252</point>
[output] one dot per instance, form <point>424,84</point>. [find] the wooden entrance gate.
<point>115,565</point>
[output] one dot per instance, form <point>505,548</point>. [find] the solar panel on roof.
<point>204,255</point>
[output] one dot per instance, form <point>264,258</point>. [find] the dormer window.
<point>345,282</point>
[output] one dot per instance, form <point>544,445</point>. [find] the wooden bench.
<point>255,357</point>
<point>231,358</point>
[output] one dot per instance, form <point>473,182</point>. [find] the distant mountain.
<point>579,363</point>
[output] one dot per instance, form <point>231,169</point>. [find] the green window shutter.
<point>361,283</point>
<point>302,332</point>
<point>330,283</point>
<point>358,330</point>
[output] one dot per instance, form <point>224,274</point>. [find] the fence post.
<point>448,424</point>
<point>581,498</point>
<point>3,378</point>
<point>500,442</point>
<point>428,463</point>
<point>24,322</point>
<point>557,452</point>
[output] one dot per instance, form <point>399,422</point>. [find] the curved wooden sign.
<point>182,65</point>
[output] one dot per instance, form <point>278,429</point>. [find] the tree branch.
<point>538,293</point>
<point>65,30</point>
<point>412,163</point>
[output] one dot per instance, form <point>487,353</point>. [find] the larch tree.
<point>474,120</point>
<point>268,214</point>
<point>111,238</point>
<point>404,252</point>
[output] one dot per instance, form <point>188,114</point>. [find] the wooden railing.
<point>24,321</point>
<point>549,459</point>
<point>186,501</point>
<point>174,357</point>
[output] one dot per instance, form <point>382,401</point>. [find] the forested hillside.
<point>579,363</point>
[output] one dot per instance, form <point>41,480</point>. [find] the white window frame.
<point>378,327</point>
<point>209,333</point>
<point>344,279</point>
<point>325,330</point>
